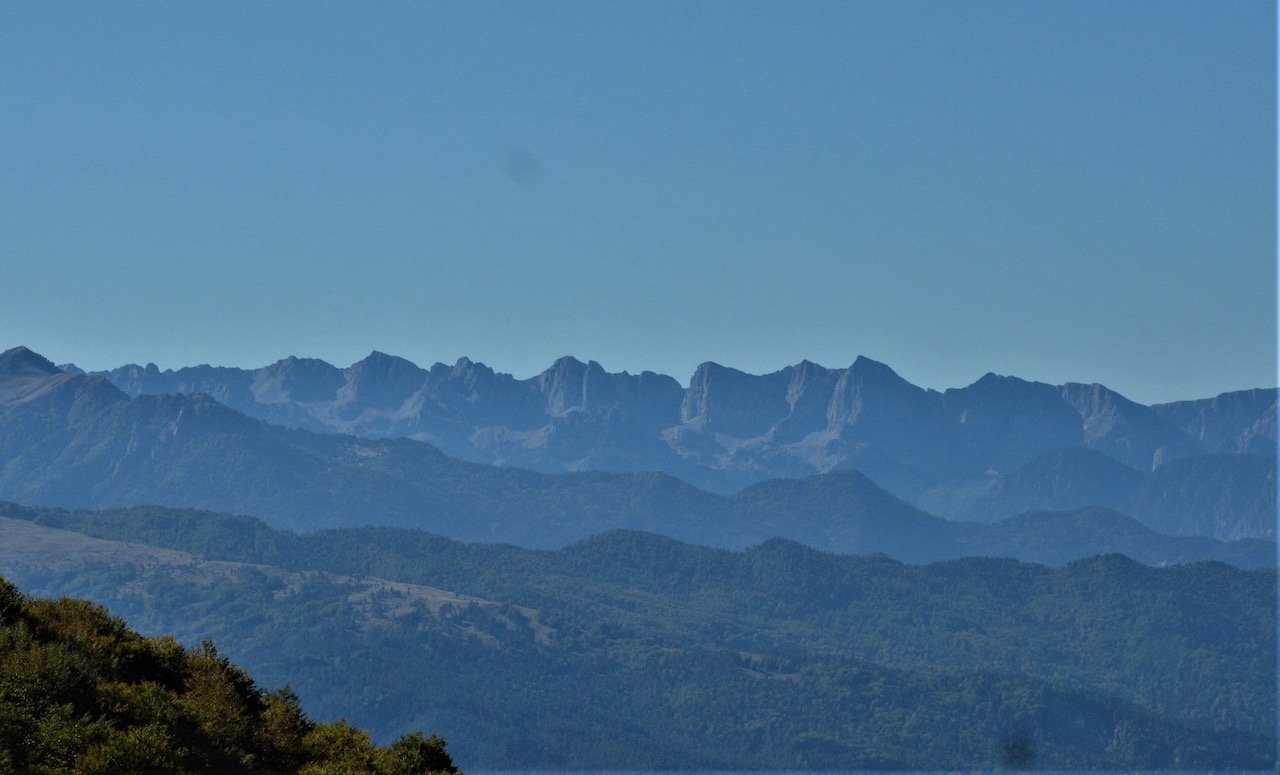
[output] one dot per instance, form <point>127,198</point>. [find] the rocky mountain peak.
<point>1218,422</point>
<point>380,361</point>
<point>466,371</point>
<point>806,375</point>
<point>381,381</point>
<point>569,383</point>
<point>297,379</point>
<point>867,371</point>
<point>711,375</point>
<point>295,365</point>
<point>807,368</point>
<point>991,380</point>
<point>21,361</point>
<point>566,364</point>
<point>726,400</point>
<point>462,368</point>
<point>992,387</point>
<point>1125,430</point>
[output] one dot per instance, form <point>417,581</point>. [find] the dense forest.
<point>82,693</point>
<point>638,651</point>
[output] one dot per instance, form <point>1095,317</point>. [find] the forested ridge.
<point>636,650</point>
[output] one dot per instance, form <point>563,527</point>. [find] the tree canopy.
<point>82,693</point>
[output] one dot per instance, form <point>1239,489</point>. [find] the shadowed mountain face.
<point>25,376</point>
<point>1133,434</point>
<point>727,429</point>
<point>77,441</point>
<point>1224,496</point>
<point>1066,478</point>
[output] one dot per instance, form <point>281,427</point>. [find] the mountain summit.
<point>21,361</point>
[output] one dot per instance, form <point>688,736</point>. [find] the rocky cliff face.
<point>1129,432</point>
<point>1234,423</point>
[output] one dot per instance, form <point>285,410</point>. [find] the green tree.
<point>414,754</point>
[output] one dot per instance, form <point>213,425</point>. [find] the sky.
<point>1067,191</point>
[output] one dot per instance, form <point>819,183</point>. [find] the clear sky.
<point>1058,190</point>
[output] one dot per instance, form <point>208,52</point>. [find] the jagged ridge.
<point>727,429</point>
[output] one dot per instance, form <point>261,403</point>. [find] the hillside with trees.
<point>634,650</point>
<point>81,692</point>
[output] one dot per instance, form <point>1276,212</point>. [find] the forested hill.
<point>80,692</point>
<point>633,650</point>
<point>1051,538</point>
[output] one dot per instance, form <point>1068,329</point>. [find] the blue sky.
<point>1063,191</point>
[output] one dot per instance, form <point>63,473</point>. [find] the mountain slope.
<point>1128,432</point>
<point>1064,479</point>
<point>1060,537</point>
<point>1240,422</point>
<point>82,693</point>
<point>1224,496</point>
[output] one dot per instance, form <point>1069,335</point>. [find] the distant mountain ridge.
<point>1239,422</point>
<point>77,441</point>
<point>1226,496</point>
<point>727,429</point>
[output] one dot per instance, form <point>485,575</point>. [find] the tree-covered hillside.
<point>80,692</point>
<point>633,650</point>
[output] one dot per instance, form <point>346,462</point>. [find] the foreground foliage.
<point>80,692</point>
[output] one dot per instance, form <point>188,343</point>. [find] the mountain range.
<point>75,440</point>
<point>726,429</point>
<point>630,618</point>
